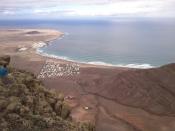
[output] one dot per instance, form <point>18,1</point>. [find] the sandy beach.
<point>114,98</point>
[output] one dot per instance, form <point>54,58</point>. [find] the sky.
<point>21,9</point>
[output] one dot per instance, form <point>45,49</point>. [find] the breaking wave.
<point>134,65</point>
<point>140,66</point>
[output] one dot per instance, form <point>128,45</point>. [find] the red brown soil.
<point>119,99</point>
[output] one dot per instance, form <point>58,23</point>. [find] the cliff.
<point>25,104</point>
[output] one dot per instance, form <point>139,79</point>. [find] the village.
<point>55,69</point>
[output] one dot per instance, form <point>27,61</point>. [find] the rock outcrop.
<point>25,104</point>
<point>4,60</point>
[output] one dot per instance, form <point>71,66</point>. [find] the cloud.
<point>7,12</point>
<point>151,8</point>
<point>52,10</point>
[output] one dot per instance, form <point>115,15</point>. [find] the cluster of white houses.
<point>54,69</point>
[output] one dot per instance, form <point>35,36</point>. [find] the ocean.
<point>140,43</point>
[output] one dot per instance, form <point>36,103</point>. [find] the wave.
<point>64,35</point>
<point>135,65</point>
<point>67,33</point>
<point>41,52</point>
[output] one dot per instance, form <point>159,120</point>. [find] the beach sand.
<point>114,98</point>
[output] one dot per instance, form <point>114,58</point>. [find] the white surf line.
<point>37,46</point>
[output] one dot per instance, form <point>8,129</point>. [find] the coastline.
<point>92,63</point>
<point>36,45</point>
<point>96,63</point>
<point>111,97</point>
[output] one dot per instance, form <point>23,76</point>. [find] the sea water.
<point>142,43</point>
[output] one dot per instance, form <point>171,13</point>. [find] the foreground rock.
<point>4,60</point>
<point>26,105</point>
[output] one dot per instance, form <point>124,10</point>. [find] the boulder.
<point>3,104</point>
<point>13,106</point>
<point>4,60</point>
<point>65,111</point>
<point>58,107</point>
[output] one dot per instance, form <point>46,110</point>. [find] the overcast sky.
<point>86,8</point>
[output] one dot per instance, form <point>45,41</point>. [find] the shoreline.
<point>92,63</point>
<point>34,47</point>
<point>110,97</point>
<point>95,63</point>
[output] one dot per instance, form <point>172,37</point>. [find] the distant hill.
<point>33,32</point>
<point>150,89</point>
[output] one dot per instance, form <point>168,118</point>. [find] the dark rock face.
<point>33,32</point>
<point>26,105</point>
<point>4,60</point>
